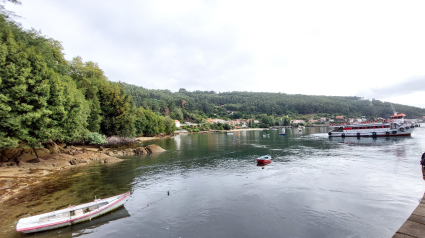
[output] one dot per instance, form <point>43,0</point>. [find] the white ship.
<point>396,126</point>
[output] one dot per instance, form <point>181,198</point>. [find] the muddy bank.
<point>22,168</point>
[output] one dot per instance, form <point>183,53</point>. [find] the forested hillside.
<point>235,105</point>
<point>44,97</point>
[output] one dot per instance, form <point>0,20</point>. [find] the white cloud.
<point>307,47</point>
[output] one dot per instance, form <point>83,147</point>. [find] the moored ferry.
<point>396,126</point>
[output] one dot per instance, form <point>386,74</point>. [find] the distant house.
<point>323,119</point>
<point>250,121</point>
<point>331,120</point>
<point>232,122</point>
<point>351,120</point>
<point>256,121</point>
<point>340,118</point>
<point>297,121</point>
<point>177,123</point>
<point>423,117</point>
<point>313,121</point>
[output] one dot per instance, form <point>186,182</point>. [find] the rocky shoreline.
<point>21,168</point>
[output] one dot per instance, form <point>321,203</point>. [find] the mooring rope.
<point>150,203</point>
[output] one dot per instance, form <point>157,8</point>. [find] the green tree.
<point>140,121</point>
<point>155,123</point>
<point>24,92</point>
<point>90,80</point>
<point>117,111</point>
<point>69,110</point>
<point>170,126</point>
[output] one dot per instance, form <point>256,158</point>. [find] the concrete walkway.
<point>415,224</point>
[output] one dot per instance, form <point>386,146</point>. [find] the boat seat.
<point>62,215</point>
<point>92,208</point>
<point>78,212</point>
<point>54,217</point>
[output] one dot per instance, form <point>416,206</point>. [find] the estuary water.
<point>315,187</point>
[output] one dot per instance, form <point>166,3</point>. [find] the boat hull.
<point>34,224</point>
<point>263,161</point>
<point>402,131</point>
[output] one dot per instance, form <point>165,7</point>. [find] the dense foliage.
<point>198,105</point>
<point>43,97</point>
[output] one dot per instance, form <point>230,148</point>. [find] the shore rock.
<point>10,154</point>
<point>41,152</point>
<point>36,160</point>
<point>154,149</point>
<point>62,145</point>
<point>27,154</point>
<point>112,160</point>
<point>140,151</point>
<point>52,147</point>
<point>4,159</point>
<point>129,152</point>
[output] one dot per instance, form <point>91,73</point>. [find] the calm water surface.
<point>315,187</point>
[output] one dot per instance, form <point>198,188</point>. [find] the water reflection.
<point>315,187</point>
<point>369,141</point>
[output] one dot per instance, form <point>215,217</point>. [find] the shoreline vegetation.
<point>32,167</point>
<point>24,168</point>
<point>27,168</point>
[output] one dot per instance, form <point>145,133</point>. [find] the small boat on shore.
<point>71,215</point>
<point>265,159</point>
<point>282,132</point>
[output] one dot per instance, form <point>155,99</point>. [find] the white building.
<point>177,123</point>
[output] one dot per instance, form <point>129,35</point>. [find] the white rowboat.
<point>71,215</point>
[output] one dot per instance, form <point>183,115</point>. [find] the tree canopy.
<point>234,105</point>
<point>44,97</point>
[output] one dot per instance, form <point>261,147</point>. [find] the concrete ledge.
<point>420,210</point>
<point>397,235</point>
<point>417,219</point>
<point>412,229</point>
<point>415,224</point>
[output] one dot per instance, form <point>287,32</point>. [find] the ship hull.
<point>383,130</point>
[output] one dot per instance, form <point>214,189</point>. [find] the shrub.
<point>96,138</point>
<point>113,140</point>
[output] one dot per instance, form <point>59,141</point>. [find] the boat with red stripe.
<point>71,215</point>
<point>396,126</point>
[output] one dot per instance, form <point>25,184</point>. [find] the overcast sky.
<point>374,49</point>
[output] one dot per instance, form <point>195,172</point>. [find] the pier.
<point>414,227</point>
